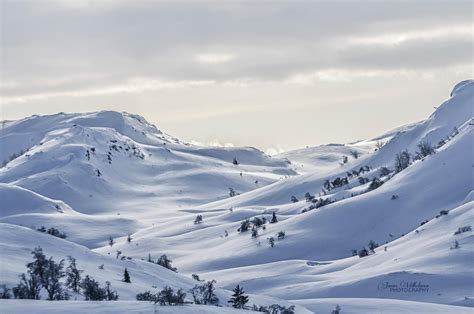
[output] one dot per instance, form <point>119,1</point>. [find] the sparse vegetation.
<point>354,154</point>
<point>198,219</point>
<point>402,160</point>
<point>52,231</point>
<point>244,226</point>
<point>463,229</point>
<point>425,149</point>
<point>204,293</point>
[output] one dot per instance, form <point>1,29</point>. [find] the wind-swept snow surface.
<point>113,175</point>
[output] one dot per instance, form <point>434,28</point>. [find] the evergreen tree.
<point>235,162</point>
<point>129,238</point>
<point>126,276</point>
<point>73,275</point>
<point>111,241</point>
<point>238,299</point>
<point>274,218</point>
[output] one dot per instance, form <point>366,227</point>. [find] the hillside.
<point>106,174</point>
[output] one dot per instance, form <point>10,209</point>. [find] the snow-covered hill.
<point>108,174</point>
<point>109,163</point>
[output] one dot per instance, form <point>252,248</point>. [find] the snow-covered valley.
<point>382,225</point>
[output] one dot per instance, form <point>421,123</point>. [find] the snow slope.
<point>136,162</point>
<point>348,306</point>
<point>108,163</point>
<point>16,244</point>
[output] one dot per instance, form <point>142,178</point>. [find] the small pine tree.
<point>274,218</point>
<point>235,162</point>
<point>126,276</point>
<point>294,199</point>
<point>129,238</point>
<point>238,299</point>
<point>111,241</point>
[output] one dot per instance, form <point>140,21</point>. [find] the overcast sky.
<point>274,75</point>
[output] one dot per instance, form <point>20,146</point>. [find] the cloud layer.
<point>233,60</point>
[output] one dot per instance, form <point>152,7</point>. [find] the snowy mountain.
<point>327,225</point>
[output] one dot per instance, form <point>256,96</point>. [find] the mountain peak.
<point>461,86</point>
